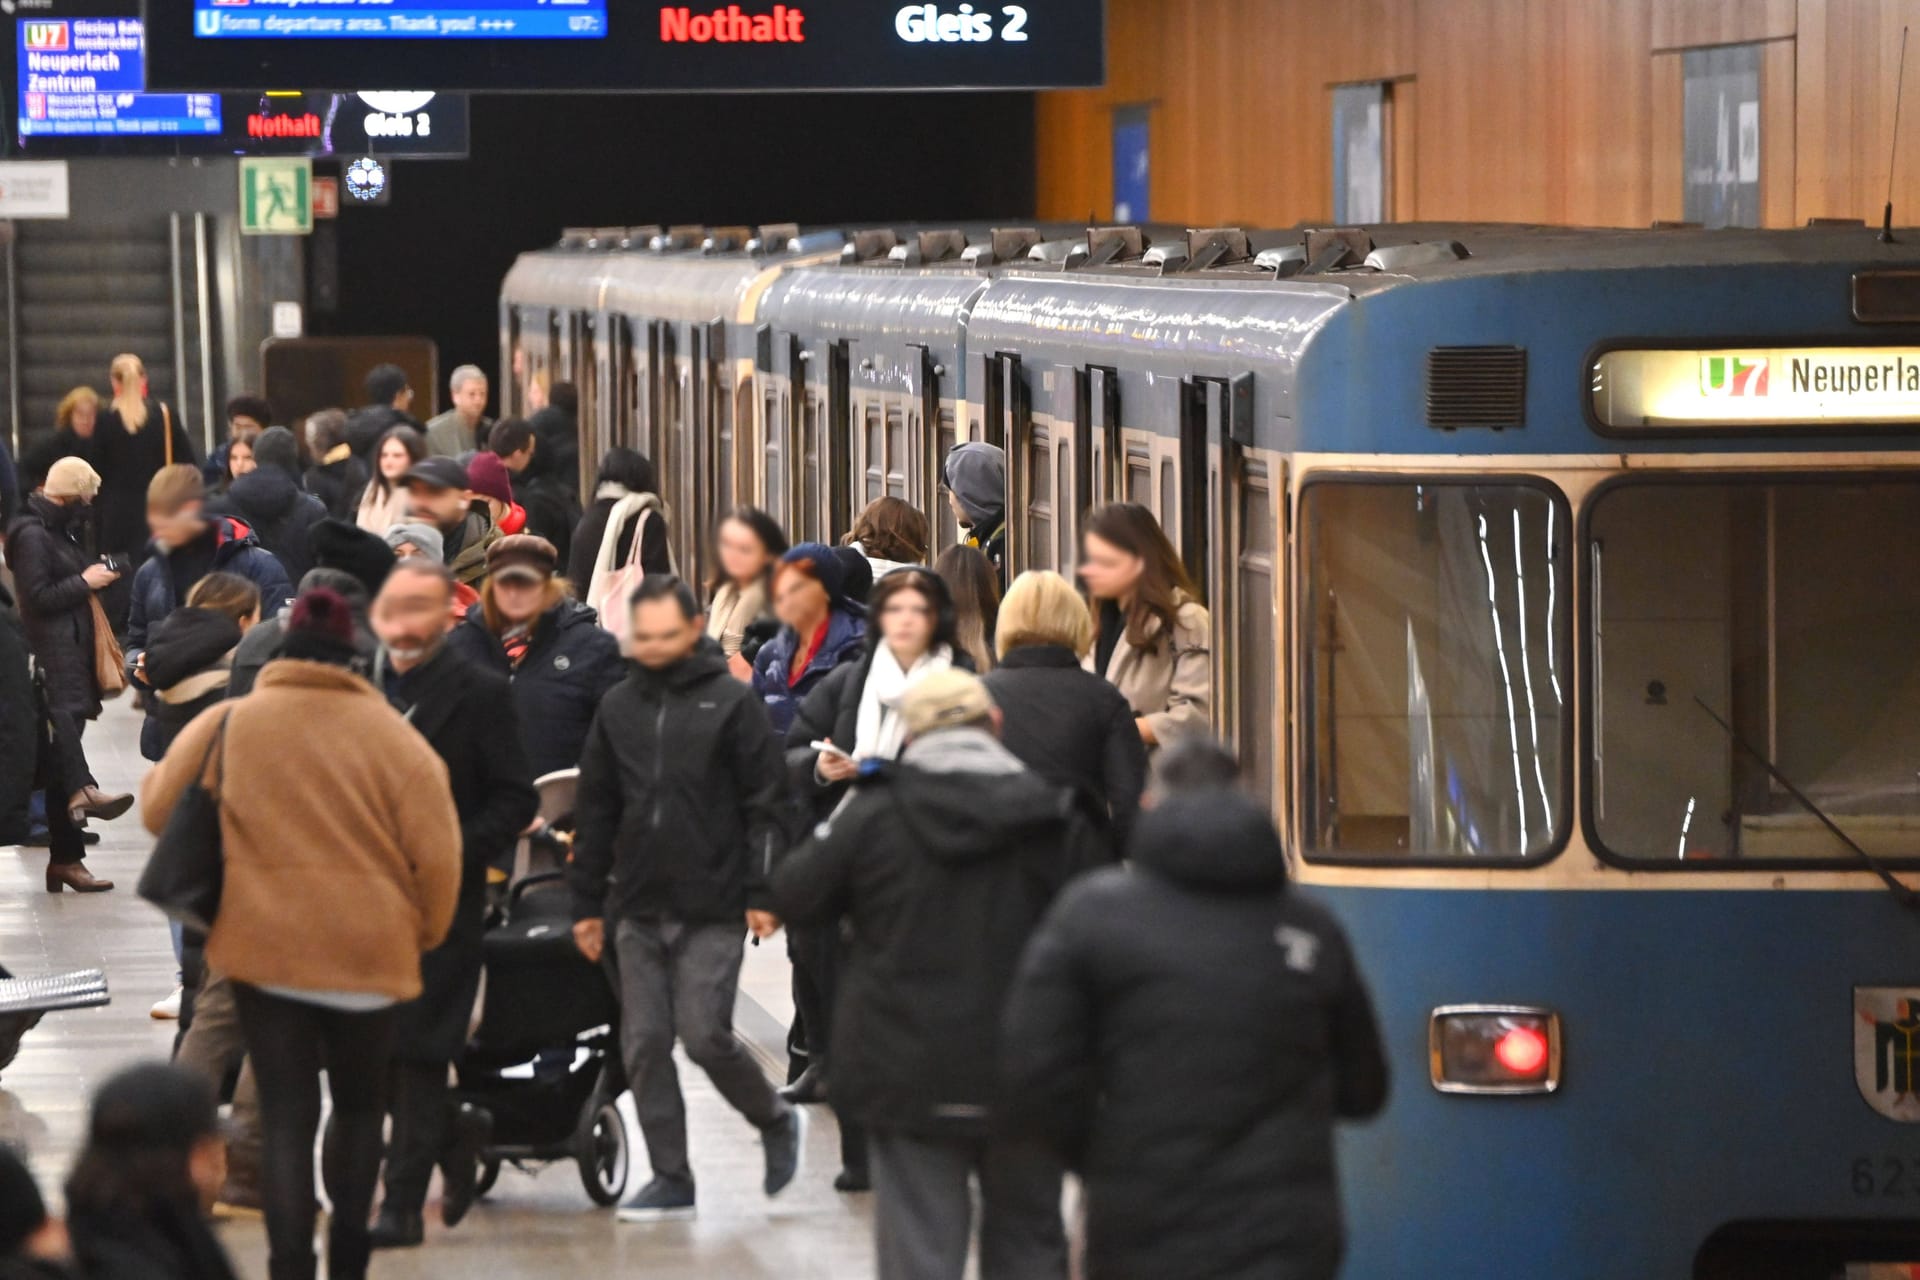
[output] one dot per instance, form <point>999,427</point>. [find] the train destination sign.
<point>749,46</point>
<point>1757,387</point>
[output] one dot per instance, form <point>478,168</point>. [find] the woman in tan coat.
<point>342,852</point>
<point>750,544</point>
<point>1154,639</point>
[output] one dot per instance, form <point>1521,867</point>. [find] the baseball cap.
<point>436,473</point>
<point>944,700</point>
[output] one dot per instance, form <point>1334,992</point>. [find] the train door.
<point>1044,480</point>
<point>836,443</point>
<point>1229,540</point>
<point>932,434</point>
<point>782,389</point>
<point>1098,479</point>
<point>1006,423</point>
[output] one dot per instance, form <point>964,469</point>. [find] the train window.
<point>774,499</point>
<point>812,484</point>
<point>948,527</point>
<point>1436,654</point>
<point>1787,611</point>
<point>896,453</point>
<point>876,451</point>
<point>1039,484</point>
<point>1067,518</point>
<point>1254,606</point>
<point>1139,476</point>
<point>1169,508</point>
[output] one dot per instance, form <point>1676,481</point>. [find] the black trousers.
<point>816,984</point>
<point>421,1113</point>
<point>290,1042</point>
<point>62,771</point>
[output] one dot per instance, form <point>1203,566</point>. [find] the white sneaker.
<point>167,1010</point>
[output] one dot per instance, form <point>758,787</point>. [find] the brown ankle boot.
<point>74,876</point>
<point>92,802</point>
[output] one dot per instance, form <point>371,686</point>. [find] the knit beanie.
<point>424,538</point>
<point>320,628</point>
<point>487,476</point>
<point>338,544</point>
<point>826,567</point>
<point>977,474</point>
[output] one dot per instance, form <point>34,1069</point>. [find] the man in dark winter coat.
<point>551,510</point>
<point>1184,1032</point>
<point>558,428</point>
<point>337,477</point>
<point>943,864</point>
<point>188,544</point>
<point>467,716</point>
<point>389,397</point>
<point>269,498</point>
<point>680,812</point>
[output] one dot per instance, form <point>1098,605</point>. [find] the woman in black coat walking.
<point>624,473</point>
<point>56,579</point>
<point>269,498</point>
<point>559,658</point>
<point>137,436</point>
<point>1065,723</point>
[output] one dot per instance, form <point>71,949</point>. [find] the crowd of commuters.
<point>928,776</point>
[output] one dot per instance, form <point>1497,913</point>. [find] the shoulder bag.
<point>187,869</point>
<point>109,663</point>
<point>610,588</point>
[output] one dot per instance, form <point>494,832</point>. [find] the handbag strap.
<point>166,423</point>
<point>217,746</point>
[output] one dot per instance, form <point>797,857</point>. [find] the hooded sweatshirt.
<point>943,864</point>
<point>269,498</point>
<point>1233,1027</point>
<point>189,665</point>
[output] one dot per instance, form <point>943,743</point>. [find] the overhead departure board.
<point>625,45</point>
<point>83,77</point>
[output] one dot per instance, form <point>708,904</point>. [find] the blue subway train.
<point>1564,587</point>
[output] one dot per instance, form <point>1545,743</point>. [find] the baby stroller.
<point>545,1060</point>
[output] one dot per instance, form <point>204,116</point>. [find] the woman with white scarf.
<point>857,710</point>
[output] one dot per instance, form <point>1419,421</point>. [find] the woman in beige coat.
<point>750,544</point>
<point>1153,637</point>
<point>341,849</point>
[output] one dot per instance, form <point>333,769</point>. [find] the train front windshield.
<point>1789,609</point>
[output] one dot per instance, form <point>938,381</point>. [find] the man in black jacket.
<point>467,716</point>
<point>1183,1033</point>
<point>679,815</point>
<point>943,863</point>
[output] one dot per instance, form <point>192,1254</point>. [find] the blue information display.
<point>82,78</point>
<point>400,19</point>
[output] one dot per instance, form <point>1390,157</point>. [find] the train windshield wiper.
<point>1907,897</point>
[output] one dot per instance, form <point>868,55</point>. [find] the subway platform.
<point>528,1225</point>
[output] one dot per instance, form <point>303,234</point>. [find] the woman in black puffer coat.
<point>190,656</point>
<point>270,500</point>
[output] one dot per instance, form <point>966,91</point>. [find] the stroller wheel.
<point>489,1174</point>
<point>600,1149</point>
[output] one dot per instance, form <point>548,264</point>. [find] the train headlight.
<point>1496,1049</point>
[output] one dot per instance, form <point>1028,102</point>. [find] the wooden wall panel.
<point>1848,62</point>
<point>1532,110</point>
<point>1685,24</point>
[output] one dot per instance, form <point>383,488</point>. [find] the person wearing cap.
<point>467,716</point>
<point>490,482</point>
<point>560,659</point>
<point>680,813</point>
<point>353,811</point>
<point>138,1196</point>
<point>462,428</point>
<point>188,544</point>
<point>975,474</point>
<point>820,629</point>
<point>56,580</point>
<point>389,397</point>
<point>942,864</point>
<point>412,538</point>
<point>439,495</point>
<point>1185,1031</point>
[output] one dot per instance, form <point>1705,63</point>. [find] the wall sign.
<point>276,196</point>
<point>633,46</point>
<point>1757,387</point>
<point>33,188</point>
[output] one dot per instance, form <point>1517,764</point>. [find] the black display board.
<point>625,45</point>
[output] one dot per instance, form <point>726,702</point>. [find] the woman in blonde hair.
<point>1064,722</point>
<point>73,437</point>
<point>137,436</point>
